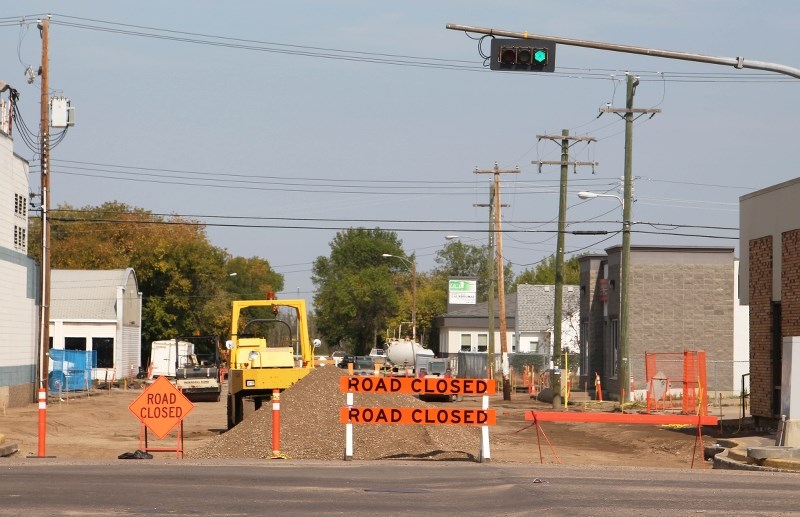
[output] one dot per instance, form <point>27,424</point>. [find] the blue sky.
<point>221,132</point>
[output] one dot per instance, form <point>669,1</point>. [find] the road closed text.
<point>415,386</point>
<point>424,416</point>
<point>161,405</point>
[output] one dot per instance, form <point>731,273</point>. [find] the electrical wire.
<point>110,27</point>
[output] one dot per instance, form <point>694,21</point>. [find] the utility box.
<point>61,113</point>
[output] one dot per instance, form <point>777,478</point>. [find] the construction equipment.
<point>198,375</point>
<point>269,350</point>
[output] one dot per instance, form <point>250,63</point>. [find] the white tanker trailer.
<point>403,353</point>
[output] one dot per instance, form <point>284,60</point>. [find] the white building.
<point>19,276</point>
<point>529,323</point>
<point>100,311</point>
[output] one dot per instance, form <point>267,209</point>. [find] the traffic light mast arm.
<point>736,62</point>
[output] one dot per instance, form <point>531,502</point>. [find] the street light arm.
<point>593,195</point>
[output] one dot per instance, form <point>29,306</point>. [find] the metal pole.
<point>736,62</point>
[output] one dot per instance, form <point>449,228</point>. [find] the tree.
<point>545,272</point>
<point>459,259</point>
<point>355,288</point>
<point>184,279</point>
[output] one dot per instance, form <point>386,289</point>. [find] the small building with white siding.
<point>99,311</point>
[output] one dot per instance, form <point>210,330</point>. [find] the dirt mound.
<point>310,428</point>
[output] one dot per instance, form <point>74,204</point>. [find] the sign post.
<point>160,408</point>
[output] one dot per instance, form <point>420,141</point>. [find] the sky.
<point>280,123</point>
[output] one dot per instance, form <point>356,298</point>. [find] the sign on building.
<point>462,292</point>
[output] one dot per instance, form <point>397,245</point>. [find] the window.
<point>20,205</point>
<point>614,347</point>
<point>20,238</point>
<point>104,346</point>
<point>483,342</point>
<point>74,343</point>
<point>466,342</point>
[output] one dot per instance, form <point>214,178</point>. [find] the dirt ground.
<point>100,426</point>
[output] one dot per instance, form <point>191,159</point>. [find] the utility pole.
<point>44,140</point>
<point>627,201</point>
<point>490,353</point>
<point>562,224</point>
<point>501,301</point>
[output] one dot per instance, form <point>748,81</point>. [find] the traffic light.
<point>522,55</point>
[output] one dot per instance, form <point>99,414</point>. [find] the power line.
<point>197,38</point>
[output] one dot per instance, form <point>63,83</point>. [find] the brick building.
<point>770,249</point>
<point>681,298</point>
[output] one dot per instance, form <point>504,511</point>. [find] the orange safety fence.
<point>667,370</point>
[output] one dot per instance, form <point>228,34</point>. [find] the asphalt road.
<point>34,487</point>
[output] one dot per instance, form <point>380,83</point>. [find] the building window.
<point>614,347</point>
<point>483,342</point>
<point>104,346</point>
<point>74,343</point>
<point>20,205</point>
<point>20,238</point>
<point>466,342</point>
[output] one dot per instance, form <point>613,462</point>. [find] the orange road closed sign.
<point>416,385</point>
<point>161,407</point>
<point>423,416</point>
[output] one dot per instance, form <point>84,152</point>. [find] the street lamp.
<point>624,374</point>
<point>413,264</point>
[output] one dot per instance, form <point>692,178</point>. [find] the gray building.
<point>681,298</point>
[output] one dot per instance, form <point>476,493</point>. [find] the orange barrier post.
<point>276,425</point>
<point>42,421</point>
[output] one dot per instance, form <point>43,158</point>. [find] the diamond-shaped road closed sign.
<point>161,407</point>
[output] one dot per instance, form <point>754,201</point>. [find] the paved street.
<point>275,487</point>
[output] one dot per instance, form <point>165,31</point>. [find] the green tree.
<point>355,287</point>
<point>184,279</point>
<point>459,259</point>
<point>545,272</point>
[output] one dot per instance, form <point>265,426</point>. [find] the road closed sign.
<point>423,416</point>
<point>161,407</point>
<point>416,385</point>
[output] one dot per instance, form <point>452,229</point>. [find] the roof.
<point>481,310</point>
<point>537,302</point>
<point>80,294</point>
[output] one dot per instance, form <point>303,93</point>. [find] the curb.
<point>735,457</point>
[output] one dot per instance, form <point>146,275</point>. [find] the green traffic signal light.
<point>522,55</point>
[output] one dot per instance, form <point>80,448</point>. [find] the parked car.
<point>338,356</point>
<point>347,359</point>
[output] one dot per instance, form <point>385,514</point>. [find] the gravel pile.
<point>310,428</point>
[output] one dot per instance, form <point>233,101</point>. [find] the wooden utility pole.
<point>626,113</point>
<point>44,140</point>
<point>562,225</point>
<point>501,301</point>
<point>490,288</point>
